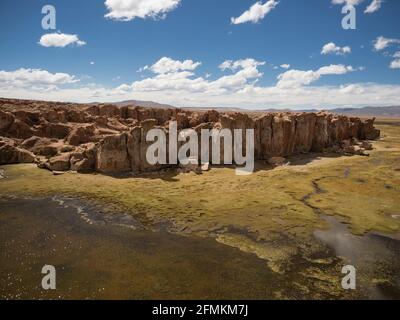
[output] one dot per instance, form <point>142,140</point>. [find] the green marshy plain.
<point>215,235</point>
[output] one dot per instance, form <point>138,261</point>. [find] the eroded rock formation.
<point>111,139</point>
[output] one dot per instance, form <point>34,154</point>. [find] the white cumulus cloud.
<point>257,12</point>
<point>285,66</point>
<point>60,40</point>
<point>375,5</point>
<point>167,65</point>
<point>246,70</point>
<point>395,64</point>
<point>174,75</point>
<point>34,78</point>
<point>126,10</point>
<point>238,87</point>
<point>244,64</point>
<point>352,89</point>
<point>335,69</point>
<point>332,48</point>
<point>382,43</point>
<point>298,78</point>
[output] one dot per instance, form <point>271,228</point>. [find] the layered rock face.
<point>110,139</point>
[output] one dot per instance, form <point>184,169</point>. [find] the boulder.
<point>304,132</point>
<point>54,116</point>
<point>146,126</point>
<point>366,145</point>
<point>66,148</point>
<point>112,155</point>
<point>354,127</point>
<point>210,116</point>
<point>77,116</point>
<point>339,129</point>
<point>60,163</point>
<point>263,137</point>
<point>192,166</point>
<point>83,160</point>
<point>134,149</point>
<point>277,161</point>
<point>101,121</point>
<point>109,110</point>
<point>114,124</point>
<point>355,150</point>
<point>42,146</point>
<point>10,154</point>
<point>7,141</point>
<point>81,134</point>
<point>368,131</point>
<point>31,118</point>
<point>321,136</point>
<point>280,136</point>
<point>20,130</point>
<point>6,120</point>
<point>30,142</point>
<point>54,130</point>
<point>182,120</point>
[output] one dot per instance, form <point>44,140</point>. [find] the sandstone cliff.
<point>111,139</point>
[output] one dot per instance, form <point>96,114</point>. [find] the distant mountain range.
<point>392,111</point>
<point>144,104</point>
<point>371,111</point>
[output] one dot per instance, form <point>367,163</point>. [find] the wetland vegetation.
<point>282,232</point>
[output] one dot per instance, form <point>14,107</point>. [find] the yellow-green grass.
<point>248,212</point>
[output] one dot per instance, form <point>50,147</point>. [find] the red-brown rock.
<point>60,163</point>
<point>112,139</point>
<point>81,134</point>
<point>10,154</point>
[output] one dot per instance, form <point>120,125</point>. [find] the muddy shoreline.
<point>113,261</point>
<point>83,227</point>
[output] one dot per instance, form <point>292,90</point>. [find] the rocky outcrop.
<point>6,120</point>
<point>54,130</point>
<point>83,160</point>
<point>10,154</point>
<point>112,155</point>
<point>81,134</point>
<point>111,139</point>
<point>60,163</point>
<point>368,131</point>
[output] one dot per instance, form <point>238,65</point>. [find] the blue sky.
<point>278,57</point>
